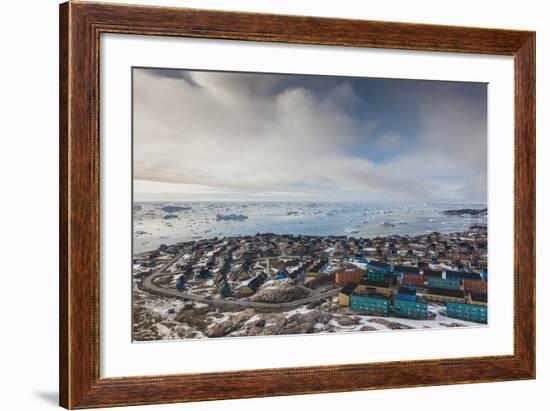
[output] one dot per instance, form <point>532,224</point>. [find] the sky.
<point>229,136</point>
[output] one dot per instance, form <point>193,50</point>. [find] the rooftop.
<point>446,292</point>
<point>348,289</point>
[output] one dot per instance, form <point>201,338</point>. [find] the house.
<point>225,268</point>
<point>484,274</point>
<point>475,286</point>
<point>406,293</point>
<point>344,294</point>
<point>377,276</point>
<point>319,265</point>
<point>148,264</point>
<point>172,250</point>
<point>444,295</point>
<point>188,271</point>
<point>404,269</point>
<point>379,266</point>
<point>300,273</point>
<point>432,273</point>
<point>244,275</point>
<point>422,264</point>
<point>154,254</point>
<point>413,280</point>
<point>478,298</point>
<point>467,312</point>
<point>180,285</point>
<point>379,287</point>
<point>257,282</point>
<point>453,283</point>
<point>462,275</point>
<point>223,288</point>
<point>349,275</point>
<point>370,304</point>
<point>204,273</point>
<point>415,309</point>
<point>281,275</point>
<point>246,265</point>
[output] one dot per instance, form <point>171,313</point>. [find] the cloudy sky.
<point>249,136</point>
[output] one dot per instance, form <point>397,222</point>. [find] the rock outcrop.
<point>321,279</point>
<point>231,324</point>
<point>304,323</point>
<point>392,325</point>
<point>280,294</point>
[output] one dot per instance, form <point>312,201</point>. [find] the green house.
<point>410,309</point>
<point>369,304</point>
<point>467,312</point>
<point>449,283</point>
<point>224,289</point>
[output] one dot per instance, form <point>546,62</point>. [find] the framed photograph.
<point>260,205</point>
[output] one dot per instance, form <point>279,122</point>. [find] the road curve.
<point>149,285</point>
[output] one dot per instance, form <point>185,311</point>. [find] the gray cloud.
<point>240,136</point>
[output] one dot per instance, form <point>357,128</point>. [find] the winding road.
<point>149,285</point>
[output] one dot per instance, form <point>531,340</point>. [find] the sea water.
<point>155,224</point>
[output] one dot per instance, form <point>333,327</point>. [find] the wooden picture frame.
<point>80,27</point>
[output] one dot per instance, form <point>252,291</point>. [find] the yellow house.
<point>379,287</point>
<point>444,294</point>
<point>344,294</point>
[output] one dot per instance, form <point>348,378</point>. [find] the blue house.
<point>484,274</point>
<point>180,285</point>
<point>282,275</point>
<point>406,293</point>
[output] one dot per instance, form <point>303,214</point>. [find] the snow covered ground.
<point>160,318</point>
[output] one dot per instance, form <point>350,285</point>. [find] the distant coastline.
<point>158,223</point>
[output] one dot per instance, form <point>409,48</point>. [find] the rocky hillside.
<point>280,294</point>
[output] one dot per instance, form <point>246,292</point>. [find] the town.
<point>269,284</point>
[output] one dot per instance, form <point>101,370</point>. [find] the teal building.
<point>449,283</point>
<point>467,312</point>
<point>375,276</point>
<point>369,304</point>
<point>410,309</point>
